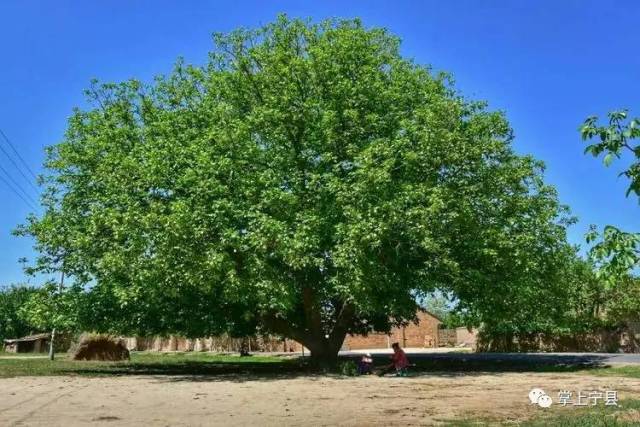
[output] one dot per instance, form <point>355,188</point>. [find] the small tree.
<point>308,181</point>
<point>49,308</point>
<point>616,252</point>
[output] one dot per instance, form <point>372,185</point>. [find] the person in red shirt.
<point>399,361</point>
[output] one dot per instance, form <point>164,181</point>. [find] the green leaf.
<point>608,159</point>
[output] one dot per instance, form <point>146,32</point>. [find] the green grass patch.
<point>154,364</point>
<point>630,371</point>
<point>626,414</point>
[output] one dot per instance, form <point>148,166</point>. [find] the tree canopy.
<point>307,181</point>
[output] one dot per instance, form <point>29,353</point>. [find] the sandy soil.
<point>362,401</point>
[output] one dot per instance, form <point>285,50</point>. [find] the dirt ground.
<point>361,401</point>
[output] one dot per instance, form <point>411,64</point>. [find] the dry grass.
<point>100,347</point>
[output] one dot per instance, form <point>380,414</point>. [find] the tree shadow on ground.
<point>204,370</point>
<point>451,365</point>
<point>457,364</point>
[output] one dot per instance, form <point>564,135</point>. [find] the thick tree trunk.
<point>324,352</point>
<point>312,333</point>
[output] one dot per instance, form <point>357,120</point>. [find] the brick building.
<point>32,344</point>
<point>422,334</point>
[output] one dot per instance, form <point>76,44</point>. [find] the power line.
<point>17,185</point>
<point>18,155</point>
<point>16,193</point>
<point>18,168</point>
<point>12,183</point>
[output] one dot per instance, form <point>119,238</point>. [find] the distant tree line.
<point>12,323</point>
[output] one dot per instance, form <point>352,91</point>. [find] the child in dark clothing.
<point>365,364</point>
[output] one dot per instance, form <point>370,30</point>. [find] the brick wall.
<point>456,337</point>
<point>218,344</point>
<point>447,337</point>
<point>467,337</point>
<point>373,340</point>
<point>423,334</point>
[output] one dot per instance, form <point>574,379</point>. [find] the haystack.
<point>100,347</point>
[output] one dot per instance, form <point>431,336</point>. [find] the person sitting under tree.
<point>399,362</point>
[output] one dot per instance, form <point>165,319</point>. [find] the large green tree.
<point>308,181</point>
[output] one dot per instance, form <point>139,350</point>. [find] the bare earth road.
<point>301,400</point>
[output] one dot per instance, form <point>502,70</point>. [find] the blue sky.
<point>547,64</point>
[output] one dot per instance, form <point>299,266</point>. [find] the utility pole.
<point>53,331</point>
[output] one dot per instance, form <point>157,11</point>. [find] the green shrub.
<point>349,368</point>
